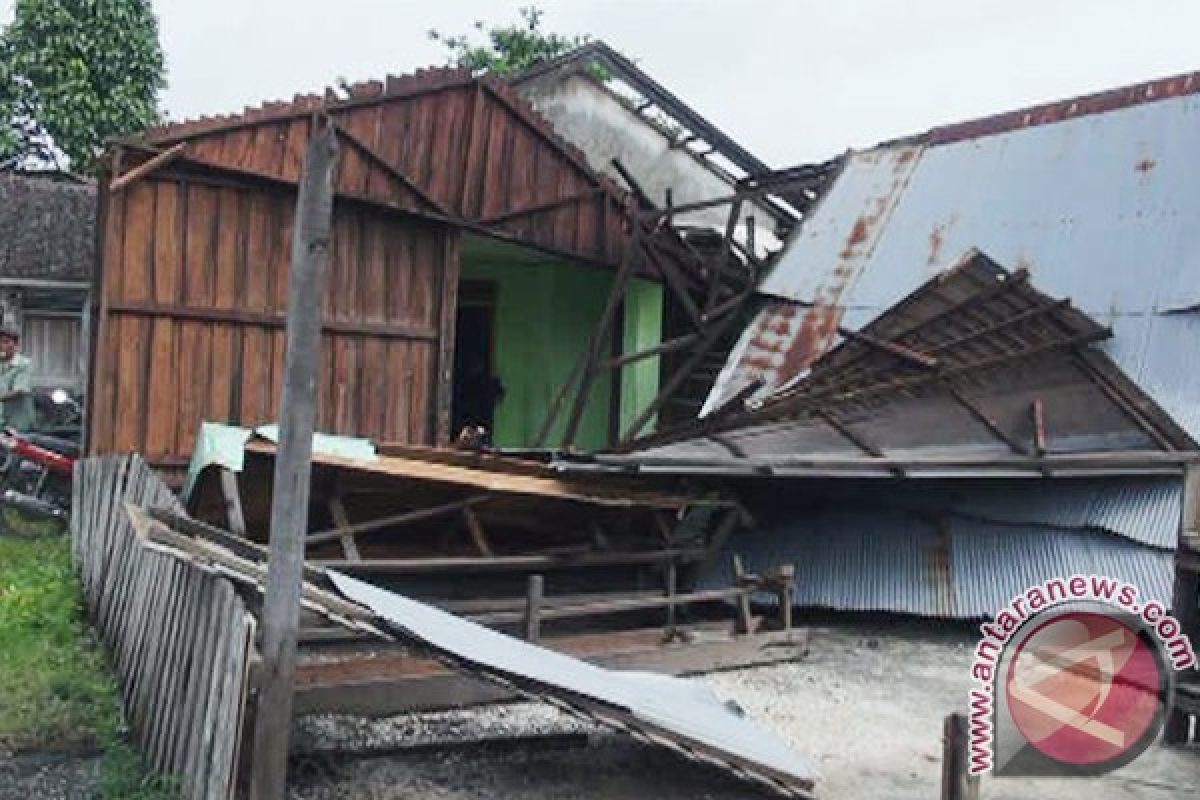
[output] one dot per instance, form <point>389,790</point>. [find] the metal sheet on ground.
<point>662,709</point>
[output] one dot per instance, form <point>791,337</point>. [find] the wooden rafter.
<point>983,417</point>
<point>542,207</point>
<point>398,175</point>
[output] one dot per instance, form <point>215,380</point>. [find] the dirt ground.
<point>866,706</point>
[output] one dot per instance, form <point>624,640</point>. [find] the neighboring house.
<point>47,240</point>
<point>472,248</point>
<point>1095,198</point>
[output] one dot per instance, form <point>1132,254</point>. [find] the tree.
<point>510,49</point>
<point>74,74</point>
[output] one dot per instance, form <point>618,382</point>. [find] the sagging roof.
<point>1094,196</point>
<point>47,228</point>
<point>975,372</point>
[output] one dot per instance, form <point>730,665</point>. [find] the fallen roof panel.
<point>677,713</point>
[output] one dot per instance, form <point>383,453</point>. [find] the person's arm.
<point>22,385</point>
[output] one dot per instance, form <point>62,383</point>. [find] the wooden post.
<point>671,580</point>
<point>293,465</point>
<point>1186,604</point>
<point>533,608</point>
<point>787,594</point>
<point>957,782</point>
<point>337,512</point>
<point>742,581</point>
<point>616,297</point>
<point>233,502</point>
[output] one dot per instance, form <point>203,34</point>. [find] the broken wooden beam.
<point>406,518</point>
<point>467,564</point>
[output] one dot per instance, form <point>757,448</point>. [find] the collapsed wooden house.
<point>474,252</point>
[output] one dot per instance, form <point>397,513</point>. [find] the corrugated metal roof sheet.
<point>685,716</point>
<point>876,560</point>
<point>1100,208</point>
<point>1142,509</point>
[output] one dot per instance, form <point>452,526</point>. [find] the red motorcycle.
<point>35,473</point>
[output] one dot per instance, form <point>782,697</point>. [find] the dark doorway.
<point>477,388</point>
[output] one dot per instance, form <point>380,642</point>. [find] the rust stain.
<point>858,235</point>
<point>812,340</point>
<point>1145,165</point>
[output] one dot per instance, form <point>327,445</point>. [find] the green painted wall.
<point>545,312</point>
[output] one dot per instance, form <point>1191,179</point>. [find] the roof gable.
<point>439,142</point>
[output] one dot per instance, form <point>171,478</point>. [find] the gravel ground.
<point>40,776</point>
<point>866,706</point>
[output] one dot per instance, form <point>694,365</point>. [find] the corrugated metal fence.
<point>180,638</point>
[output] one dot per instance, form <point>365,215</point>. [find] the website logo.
<point>1074,677</point>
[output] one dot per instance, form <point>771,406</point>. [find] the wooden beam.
<point>716,264</point>
<point>987,422</point>
<point>533,608</point>
<point>741,579</point>
<point>233,502</point>
<point>406,518</point>
<point>379,161</point>
<point>145,168</point>
<point>268,320</point>
<point>538,208</point>
<point>475,528</point>
<point>710,336</point>
<point>676,283</point>
<point>622,605</point>
<point>592,353</point>
<point>847,434</point>
<point>293,466</point>
<point>526,563</point>
<point>337,510</point>
<point>899,351</point>
<point>669,346</point>
<point>1037,413</point>
<point>957,782</point>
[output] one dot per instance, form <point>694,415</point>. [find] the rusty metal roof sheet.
<point>955,567</point>
<point>1094,196</point>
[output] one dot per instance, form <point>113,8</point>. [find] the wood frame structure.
<point>976,364</point>
<point>713,289</point>
<point>191,284</point>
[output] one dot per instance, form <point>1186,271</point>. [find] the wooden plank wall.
<point>180,638</point>
<point>192,309</point>
<point>471,148</point>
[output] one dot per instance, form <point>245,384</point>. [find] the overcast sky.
<point>792,80</point>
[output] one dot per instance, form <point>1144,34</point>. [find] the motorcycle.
<point>35,475</point>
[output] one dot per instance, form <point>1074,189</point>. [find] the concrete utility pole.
<point>293,464</point>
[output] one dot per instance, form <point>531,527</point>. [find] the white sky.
<point>792,80</point>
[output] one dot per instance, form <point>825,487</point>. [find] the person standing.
<point>16,390</point>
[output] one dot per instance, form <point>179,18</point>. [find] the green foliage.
<point>56,691</point>
<point>510,49</point>
<point>74,74</point>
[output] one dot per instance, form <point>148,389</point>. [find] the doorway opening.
<point>477,388</point>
